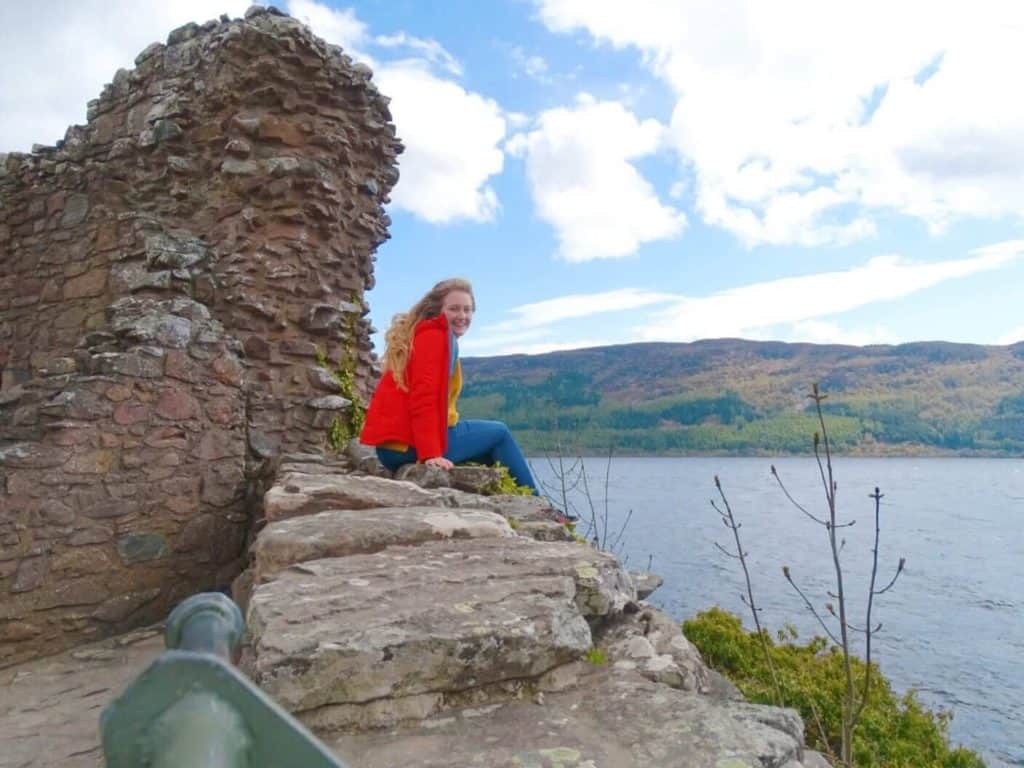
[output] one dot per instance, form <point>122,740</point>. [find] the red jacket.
<point>417,417</point>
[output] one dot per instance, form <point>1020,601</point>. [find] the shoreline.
<point>532,454</point>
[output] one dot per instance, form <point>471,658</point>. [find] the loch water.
<point>953,625</point>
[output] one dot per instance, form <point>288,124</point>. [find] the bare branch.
<point>741,556</point>
<point>725,552</point>
<point>899,570</point>
<point>809,604</point>
<point>793,501</point>
<point>622,530</point>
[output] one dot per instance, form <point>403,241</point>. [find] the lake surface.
<point>954,622</point>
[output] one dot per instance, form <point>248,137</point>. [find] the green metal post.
<point>200,731</point>
<point>192,708</point>
<point>209,623</point>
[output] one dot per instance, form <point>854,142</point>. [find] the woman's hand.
<point>439,461</point>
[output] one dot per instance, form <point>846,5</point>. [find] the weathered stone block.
<point>329,403</point>
<point>91,283</point>
<point>76,208</point>
<point>338,533</point>
<point>56,512</point>
<point>140,547</point>
<point>138,364</point>
<point>131,412</point>
<point>31,573</point>
<point>81,560</point>
<point>89,536</point>
<point>97,462</point>
<point>223,482</point>
<point>177,405</point>
<point>75,592</point>
<point>120,607</point>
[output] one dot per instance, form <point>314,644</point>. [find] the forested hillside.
<point>744,397</point>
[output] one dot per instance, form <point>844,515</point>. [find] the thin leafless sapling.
<point>855,697</point>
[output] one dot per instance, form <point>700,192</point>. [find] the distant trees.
<point>925,414</point>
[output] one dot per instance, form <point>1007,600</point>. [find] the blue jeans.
<point>478,440</point>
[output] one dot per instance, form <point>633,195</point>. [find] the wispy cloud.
<point>796,309</point>
<point>751,309</point>
<point>542,347</point>
<point>532,65</point>
<point>539,326</point>
<point>577,305</point>
<point>431,50</point>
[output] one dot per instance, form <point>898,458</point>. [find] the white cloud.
<point>452,139</point>
<point>531,65</point>
<point>431,50</point>
<point>493,340</point>
<point>802,120</point>
<point>451,135</point>
<point>530,344</point>
<point>517,120</point>
<point>823,332</point>
<point>580,305</point>
<point>56,57</point>
<point>755,310</point>
<point>531,330</point>
<point>340,27</point>
<point>540,348</point>
<point>795,309</point>
<point>1012,337</point>
<point>578,161</point>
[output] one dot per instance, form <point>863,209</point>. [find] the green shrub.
<point>344,427</point>
<point>894,731</point>
<point>507,483</point>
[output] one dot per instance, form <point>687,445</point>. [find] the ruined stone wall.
<point>168,275</point>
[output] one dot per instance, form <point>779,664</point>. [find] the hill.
<point>748,397</point>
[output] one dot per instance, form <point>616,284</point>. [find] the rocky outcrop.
<point>605,719</point>
<point>437,635</point>
<point>173,275</point>
<point>435,630</point>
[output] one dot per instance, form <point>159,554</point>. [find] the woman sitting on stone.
<point>412,415</point>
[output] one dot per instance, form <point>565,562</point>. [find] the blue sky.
<point>607,172</point>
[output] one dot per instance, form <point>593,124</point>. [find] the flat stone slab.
<point>339,533</point>
<point>444,616</point>
<point>295,494</point>
<point>611,719</point>
<point>50,708</point>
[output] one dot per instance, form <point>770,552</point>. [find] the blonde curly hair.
<point>398,339</point>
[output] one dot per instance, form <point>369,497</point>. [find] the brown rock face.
<point>168,275</point>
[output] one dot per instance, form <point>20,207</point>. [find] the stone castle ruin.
<point>181,321</point>
<point>172,276</point>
